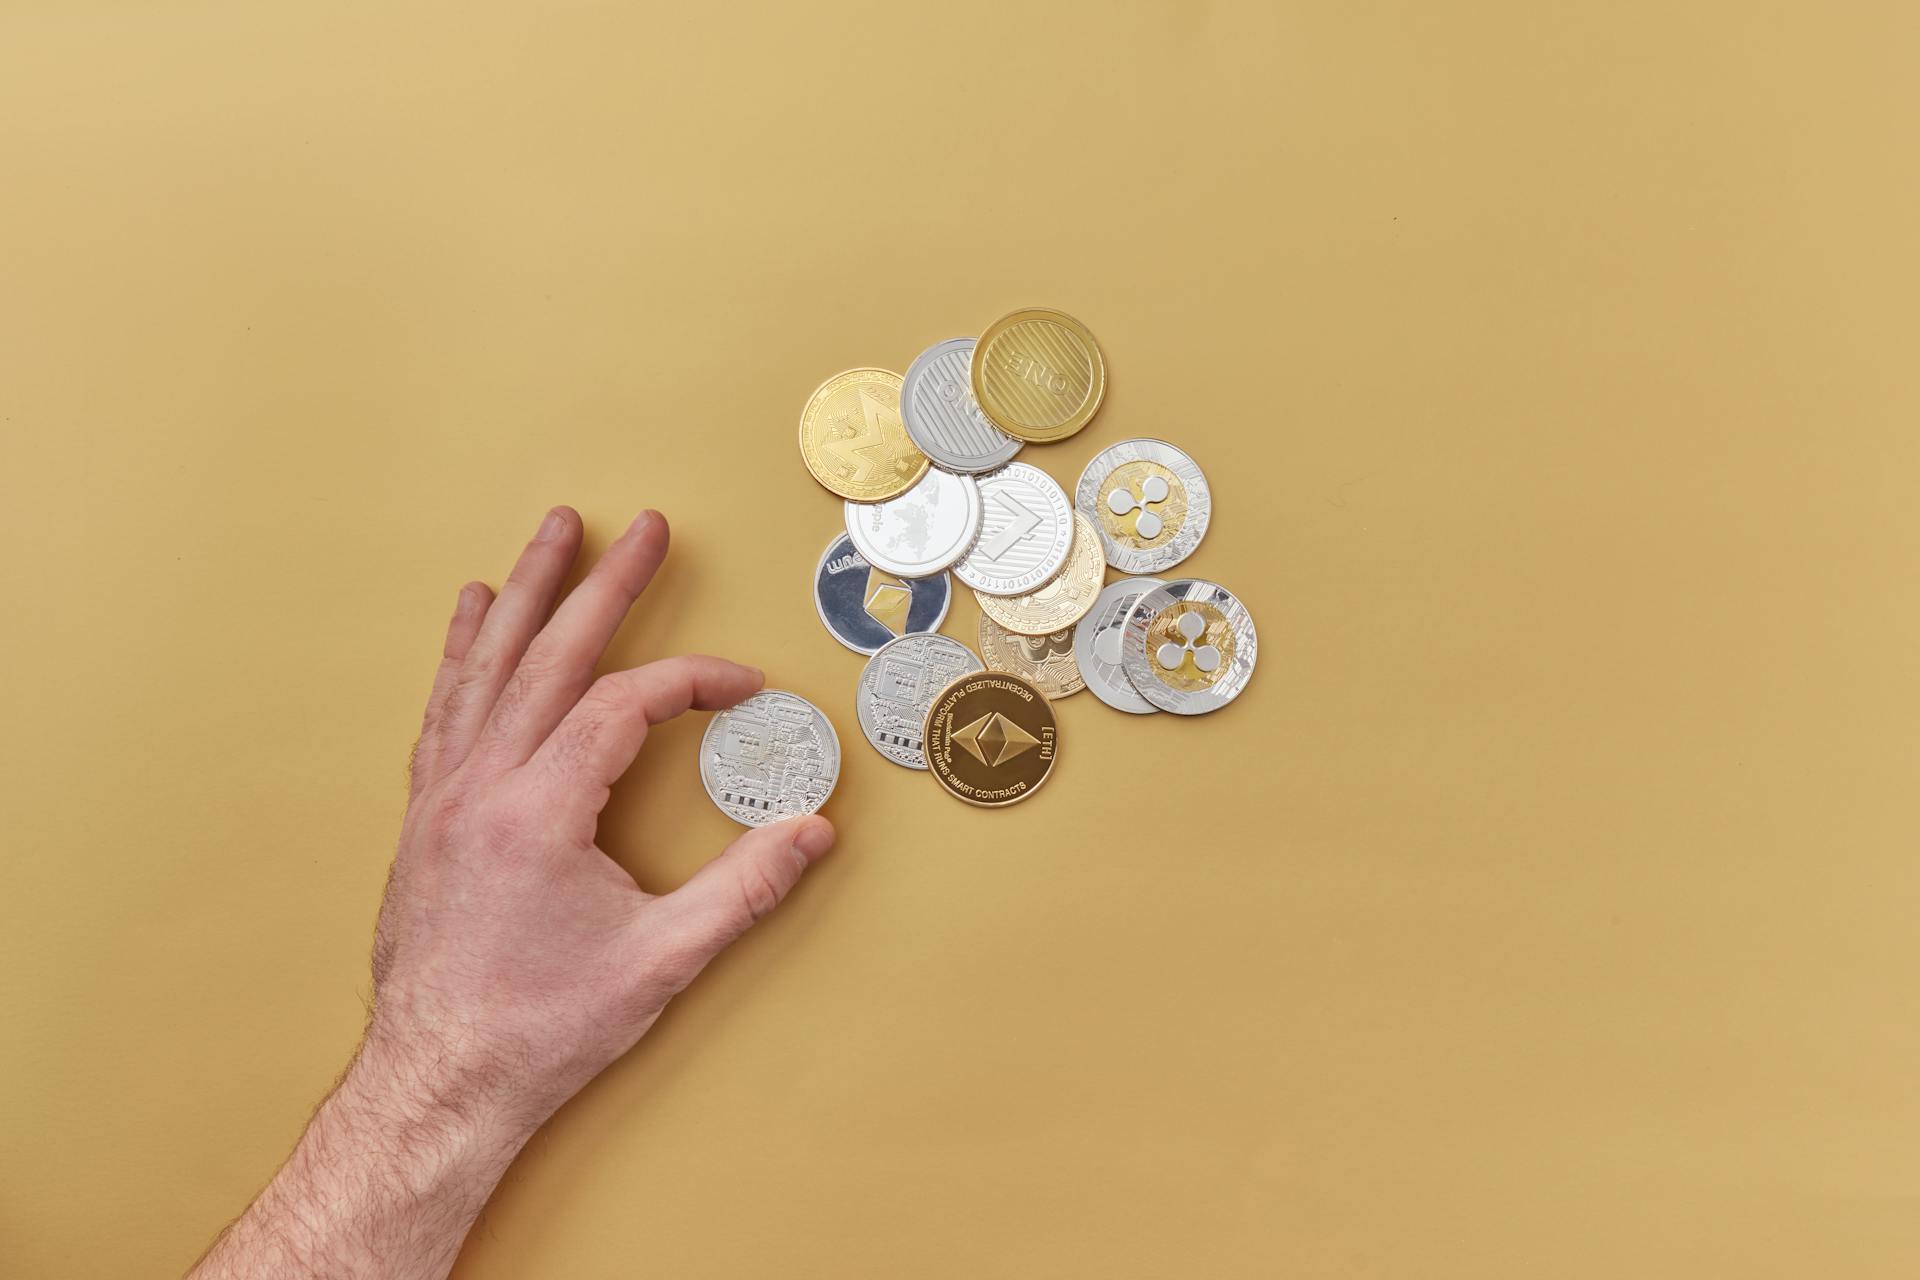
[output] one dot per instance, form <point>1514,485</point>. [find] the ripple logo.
<point>1205,656</point>
<point>1152,490</point>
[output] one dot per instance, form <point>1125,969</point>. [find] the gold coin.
<point>1038,374</point>
<point>1064,601</point>
<point>1046,662</point>
<point>853,441</point>
<point>990,738</point>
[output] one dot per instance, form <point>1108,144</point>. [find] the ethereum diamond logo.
<point>888,601</point>
<point>993,739</point>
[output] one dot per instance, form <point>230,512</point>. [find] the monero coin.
<point>1189,646</point>
<point>1097,642</point>
<point>897,689</point>
<point>991,739</point>
<point>1150,501</point>
<point>864,607</point>
<point>852,439</point>
<point>773,756</point>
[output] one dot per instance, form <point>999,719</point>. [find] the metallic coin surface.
<point>923,530</point>
<point>1026,530</point>
<point>1097,642</point>
<point>943,418</point>
<point>1189,646</point>
<point>864,607</point>
<point>1045,662</point>
<point>773,756</point>
<point>1062,602</point>
<point>853,441</point>
<point>1150,501</point>
<point>991,739</point>
<point>897,690</point>
<point>1038,374</point>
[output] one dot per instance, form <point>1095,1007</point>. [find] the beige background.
<point>1544,909</point>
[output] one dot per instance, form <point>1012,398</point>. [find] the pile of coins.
<point>926,464</point>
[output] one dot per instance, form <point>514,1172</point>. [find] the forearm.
<point>389,1176</point>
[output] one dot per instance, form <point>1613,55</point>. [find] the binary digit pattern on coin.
<point>1150,501</point>
<point>1026,530</point>
<point>897,689</point>
<point>1062,602</point>
<point>773,756</point>
<point>1189,646</point>
<point>943,418</point>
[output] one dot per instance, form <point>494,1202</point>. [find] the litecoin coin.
<point>1189,646</point>
<point>991,739</point>
<point>1038,374</point>
<point>923,530</point>
<point>853,441</point>
<point>1151,503</point>
<point>943,418</point>
<point>1046,662</point>
<point>897,690</point>
<point>773,756</point>
<point>865,607</point>
<point>1097,643</point>
<point>1026,530</point>
<point>1062,602</point>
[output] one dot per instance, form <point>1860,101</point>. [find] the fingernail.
<point>469,601</point>
<point>758,674</point>
<point>641,521</point>
<point>551,527</point>
<point>813,840</point>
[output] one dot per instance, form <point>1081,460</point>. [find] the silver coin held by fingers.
<point>1150,502</point>
<point>1098,640</point>
<point>1189,646</point>
<point>943,418</point>
<point>1026,530</point>
<point>923,530</point>
<point>773,756</point>
<point>898,688</point>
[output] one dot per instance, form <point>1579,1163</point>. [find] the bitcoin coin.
<point>1097,642</point>
<point>943,418</point>
<point>991,739</point>
<point>1026,530</point>
<point>1046,662</point>
<point>897,689</point>
<point>864,607</point>
<point>1062,602</point>
<point>853,441</point>
<point>923,530</point>
<point>1189,646</point>
<point>1150,501</point>
<point>773,756</point>
<point>1038,374</point>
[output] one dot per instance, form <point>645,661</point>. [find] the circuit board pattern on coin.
<point>1026,530</point>
<point>1046,662</point>
<point>943,418</point>
<point>1150,501</point>
<point>898,687</point>
<point>773,756</point>
<point>1189,646</point>
<point>864,607</point>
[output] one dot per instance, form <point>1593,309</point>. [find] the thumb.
<point>748,880</point>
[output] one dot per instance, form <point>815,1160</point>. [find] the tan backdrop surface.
<point>1544,909</point>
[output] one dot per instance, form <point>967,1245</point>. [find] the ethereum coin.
<point>1046,662</point>
<point>943,418</point>
<point>897,689</point>
<point>1151,502</point>
<point>852,439</point>
<point>1189,646</point>
<point>990,738</point>
<point>1097,642</point>
<point>1062,602</point>
<point>923,530</point>
<point>865,607</point>
<point>1038,374</point>
<point>773,756</point>
<point>1026,529</point>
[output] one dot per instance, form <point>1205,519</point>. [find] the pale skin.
<point>513,960</point>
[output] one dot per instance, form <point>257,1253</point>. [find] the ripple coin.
<point>853,441</point>
<point>1150,501</point>
<point>991,739</point>
<point>773,756</point>
<point>1189,646</point>
<point>1097,642</point>
<point>897,690</point>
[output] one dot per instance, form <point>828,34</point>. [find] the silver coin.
<point>943,418</point>
<point>1150,502</point>
<point>898,688</point>
<point>1189,646</point>
<point>863,607</point>
<point>923,530</point>
<point>1098,641</point>
<point>773,756</point>
<point>1026,529</point>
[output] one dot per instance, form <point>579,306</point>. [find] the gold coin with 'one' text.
<point>1038,374</point>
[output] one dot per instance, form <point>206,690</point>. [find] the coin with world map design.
<point>991,739</point>
<point>1046,662</point>
<point>923,530</point>
<point>853,441</point>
